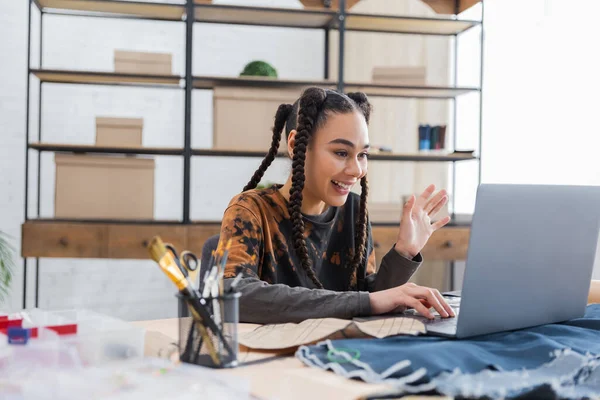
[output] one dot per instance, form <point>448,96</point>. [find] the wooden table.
<point>282,378</point>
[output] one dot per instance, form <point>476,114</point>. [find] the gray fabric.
<point>265,304</point>
<point>395,270</point>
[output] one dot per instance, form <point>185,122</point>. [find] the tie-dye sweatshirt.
<point>275,288</point>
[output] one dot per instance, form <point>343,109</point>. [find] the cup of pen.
<point>209,349</point>
<point>208,314</point>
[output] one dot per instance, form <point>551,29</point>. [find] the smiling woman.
<point>304,248</point>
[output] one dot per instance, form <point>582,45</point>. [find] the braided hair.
<point>306,115</point>
<point>281,116</point>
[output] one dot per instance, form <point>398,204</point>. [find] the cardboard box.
<point>449,6</point>
<point>335,4</point>
<point>392,212</point>
<point>243,117</point>
<point>119,132</point>
<point>104,187</point>
<point>136,62</point>
<point>401,76</point>
<point>384,212</point>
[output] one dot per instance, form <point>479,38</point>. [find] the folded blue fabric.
<point>563,356</point>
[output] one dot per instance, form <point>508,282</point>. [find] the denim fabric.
<point>561,356</point>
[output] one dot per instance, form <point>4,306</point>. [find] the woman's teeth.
<point>342,185</point>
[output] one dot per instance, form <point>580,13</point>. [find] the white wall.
<point>540,85</point>
<point>540,96</point>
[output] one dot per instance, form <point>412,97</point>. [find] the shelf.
<point>233,153</point>
<point>264,16</point>
<point>459,221</point>
<point>113,8</point>
<point>425,157</point>
<point>322,19</point>
<point>375,90</point>
<point>408,25</point>
<point>104,221</point>
<point>108,238</point>
<point>170,151</point>
<point>210,82</point>
<point>108,78</point>
<point>423,92</point>
<point>373,157</point>
<point>129,239</point>
<point>258,16</point>
<point>77,148</point>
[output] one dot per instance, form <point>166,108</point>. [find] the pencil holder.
<point>212,343</point>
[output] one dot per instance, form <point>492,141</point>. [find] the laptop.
<point>529,261</point>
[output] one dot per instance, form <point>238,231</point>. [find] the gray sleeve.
<point>395,270</point>
<point>263,303</point>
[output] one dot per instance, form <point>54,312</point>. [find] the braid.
<point>281,116</point>
<point>358,264</point>
<point>359,261</point>
<point>308,112</point>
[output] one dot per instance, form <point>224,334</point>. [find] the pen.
<point>235,282</point>
<point>222,268</point>
<point>206,291</point>
<point>207,272</point>
<point>214,293</point>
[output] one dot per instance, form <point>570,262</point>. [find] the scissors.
<point>187,263</point>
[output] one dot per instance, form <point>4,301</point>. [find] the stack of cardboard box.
<point>91,186</point>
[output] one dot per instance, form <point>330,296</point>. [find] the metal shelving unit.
<point>325,20</point>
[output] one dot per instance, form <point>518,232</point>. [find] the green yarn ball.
<point>259,68</point>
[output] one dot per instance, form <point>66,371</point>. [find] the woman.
<point>304,248</point>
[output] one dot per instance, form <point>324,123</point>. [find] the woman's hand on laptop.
<point>416,227</point>
<point>410,295</point>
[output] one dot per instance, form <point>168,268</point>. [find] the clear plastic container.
<point>98,338</point>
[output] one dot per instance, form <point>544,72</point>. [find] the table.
<point>283,377</point>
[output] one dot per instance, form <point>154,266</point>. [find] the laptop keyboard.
<point>439,322</point>
<point>442,322</point>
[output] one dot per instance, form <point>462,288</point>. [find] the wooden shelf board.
<point>263,16</point>
<point>164,11</point>
<point>321,18</point>
<point>408,91</point>
<point>102,221</point>
<point>128,240</point>
<point>426,157</point>
<point>104,239</point>
<point>410,25</point>
<point>445,244</point>
<point>91,77</point>
<point>376,157</point>
<point>211,82</point>
<point>78,148</point>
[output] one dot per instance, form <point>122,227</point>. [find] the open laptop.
<point>530,258</point>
